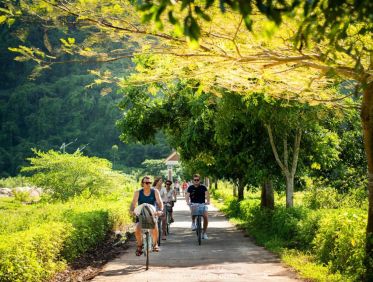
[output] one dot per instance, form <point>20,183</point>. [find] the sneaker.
<point>204,236</point>
<point>194,227</point>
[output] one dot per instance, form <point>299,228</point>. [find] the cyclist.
<point>198,193</point>
<point>184,187</point>
<point>171,197</point>
<point>150,196</point>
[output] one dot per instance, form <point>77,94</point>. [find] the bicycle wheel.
<point>147,250</point>
<point>199,229</point>
<point>159,230</point>
<point>167,222</point>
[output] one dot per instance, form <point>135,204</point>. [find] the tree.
<point>333,42</point>
<point>64,176</point>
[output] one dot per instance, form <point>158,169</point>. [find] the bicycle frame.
<point>198,211</point>
<point>147,243</point>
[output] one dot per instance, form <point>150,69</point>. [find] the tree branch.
<point>274,150</point>
<point>296,151</point>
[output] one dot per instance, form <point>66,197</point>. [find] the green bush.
<point>307,229</point>
<point>321,198</point>
<point>29,229</point>
<point>64,176</point>
<point>33,255</point>
<point>22,196</point>
<point>17,181</point>
<point>340,241</point>
<point>333,237</point>
<point>89,229</point>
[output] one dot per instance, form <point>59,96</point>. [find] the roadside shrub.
<point>89,229</point>
<point>340,241</point>
<point>321,198</point>
<point>285,223</point>
<point>22,196</point>
<point>307,229</point>
<point>17,181</point>
<point>65,176</point>
<point>33,255</point>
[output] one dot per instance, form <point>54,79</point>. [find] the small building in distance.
<point>171,161</point>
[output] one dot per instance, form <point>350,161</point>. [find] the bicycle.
<point>198,210</point>
<point>168,210</point>
<point>159,230</point>
<point>147,243</point>
<point>147,222</point>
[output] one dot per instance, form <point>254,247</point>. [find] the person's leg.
<point>205,221</point>
<point>172,214</point>
<point>138,236</point>
<point>155,235</point>
<point>164,226</point>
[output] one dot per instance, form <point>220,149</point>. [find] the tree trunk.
<point>241,188</point>
<point>267,198</point>
<point>288,171</point>
<point>289,191</point>
<point>367,122</point>
<point>235,190</point>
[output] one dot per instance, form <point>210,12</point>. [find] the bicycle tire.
<point>167,222</point>
<point>199,231</point>
<point>147,250</point>
<point>159,230</point>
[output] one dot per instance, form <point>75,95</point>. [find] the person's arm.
<point>207,197</point>
<point>134,201</point>
<point>158,199</point>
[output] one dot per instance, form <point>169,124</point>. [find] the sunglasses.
<point>196,180</point>
<point>147,183</point>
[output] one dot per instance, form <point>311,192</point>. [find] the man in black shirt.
<point>198,193</point>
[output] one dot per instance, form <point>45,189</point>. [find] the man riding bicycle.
<point>150,196</point>
<point>198,193</point>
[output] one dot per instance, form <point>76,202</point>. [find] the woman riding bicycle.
<point>171,197</point>
<point>150,196</point>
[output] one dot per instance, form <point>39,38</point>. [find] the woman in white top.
<point>157,184</point>
<point>171,197</point>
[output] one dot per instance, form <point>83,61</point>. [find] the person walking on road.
<point>198,193</point>
<point>150,196</point>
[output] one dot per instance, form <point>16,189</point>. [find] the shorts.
<point>198,209</point>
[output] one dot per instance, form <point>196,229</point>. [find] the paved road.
<point>226,256</point>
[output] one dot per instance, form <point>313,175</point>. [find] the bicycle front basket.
<point>198,209</point>
<point>147,219</point>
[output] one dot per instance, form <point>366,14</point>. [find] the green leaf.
<point>171,18</point>
<point>209,3</point>
<point>200,13</point>
<point>3,19</point>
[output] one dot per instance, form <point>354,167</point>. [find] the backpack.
<point>147,218</point>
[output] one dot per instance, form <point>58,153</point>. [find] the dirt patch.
<point>90,264</point>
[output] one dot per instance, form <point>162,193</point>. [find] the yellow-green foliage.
<point>33,255</point>
<point>340,241</point>
<point>64,175</point>
<point>37,240</point>
<point>11,182</point>
<point>331,241</point>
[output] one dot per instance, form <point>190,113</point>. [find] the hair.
<point>142,180</point>
<point>197,175</point>
<point>169,181</point>
<point>156,180</point>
